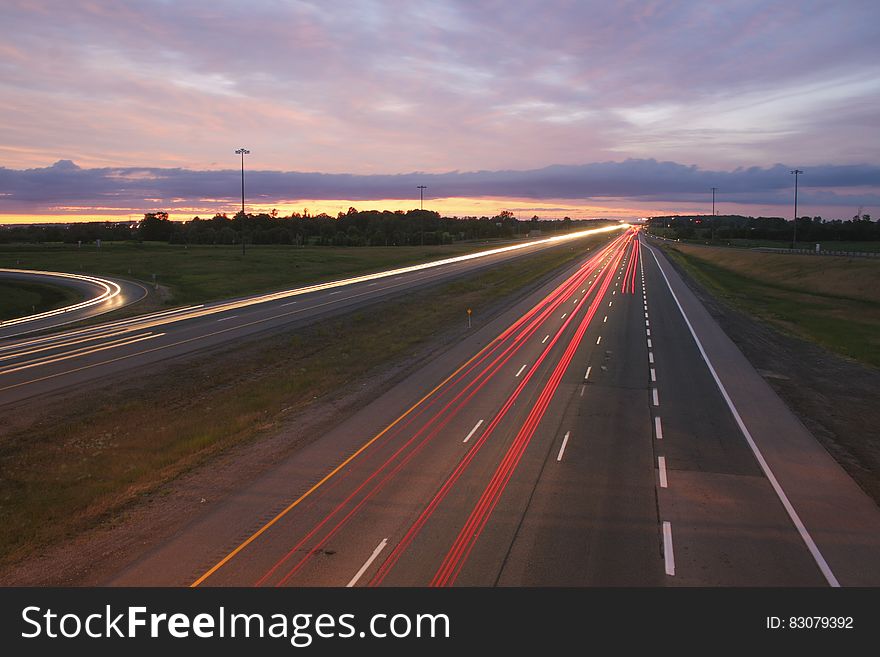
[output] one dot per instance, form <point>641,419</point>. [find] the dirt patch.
<point>835,397</point>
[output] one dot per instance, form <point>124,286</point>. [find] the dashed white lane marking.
<point>653,375</point>
<point>817,555</point>
<point>609,303</point>
<point>582,390</point>
<point>646,315</point>
<point>564,315</point>
<point>546,337</point>
<point>575,301</point>
<point>648,332</point>
<point>562,449</point>
<point>587,375</point>
<point>661,465</point>
<point>650,356</point>
<point>223,319</point>
<point>332,293</point>
<point>583,291</point>
<point>290,303</point>
<point>605,320</point>
<point>521,369</point>
<point>668,556</point>
<point>649,343</point>
<point>647,322</point>
<point>654,398</point>
<point>599,339</point>
<point>658,428</point>
<point>363,569</point>
<point>613,292</point>
<point>472,431</point>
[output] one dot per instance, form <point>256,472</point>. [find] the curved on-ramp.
<point>102,295</point>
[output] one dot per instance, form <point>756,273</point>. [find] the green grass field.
<point>19,298</point>
<point>829,245</point>
<point>832,301</point>
<point>204,273</point>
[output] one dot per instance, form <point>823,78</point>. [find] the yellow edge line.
<point>329,475</point>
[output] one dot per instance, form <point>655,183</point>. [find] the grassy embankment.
<point>92,454</point>
<point>196,274</point>
<point>833,301</point>
<point>20,298</point>
<point>825,245</point>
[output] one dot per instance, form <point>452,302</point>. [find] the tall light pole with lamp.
<point>242,152</point>
<point>796,173</point>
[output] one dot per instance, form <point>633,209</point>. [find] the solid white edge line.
<point>562,449</point>
<point>661,466</point>
<point>795,518</point>
<point>473,431</point>
<point>367,563</point>
<point>658,428</point>
<point>668,556</point>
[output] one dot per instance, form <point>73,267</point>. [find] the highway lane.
<point>586,443</point>
<point>100,295</point>
<point>192,550</point>
<point>39,365</point>
<point>836,522</point>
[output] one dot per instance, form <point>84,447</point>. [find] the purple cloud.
<point>64,184</point>
<point>373,87</point>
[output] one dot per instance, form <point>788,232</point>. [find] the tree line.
<point>724,227</point>
<point>352,228</point>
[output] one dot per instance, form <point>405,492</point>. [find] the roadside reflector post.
<point>469,313</point>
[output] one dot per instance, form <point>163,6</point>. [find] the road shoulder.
<point>842,519</point>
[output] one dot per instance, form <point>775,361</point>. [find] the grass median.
<point>196,274</point>
<point>93,453</point>
<point>832,301</point>
<point>20,298</point>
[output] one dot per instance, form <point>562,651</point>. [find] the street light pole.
<point>242,152</point>
<point>796,173</point>
<point>713,213</point>
<point>422,189</point>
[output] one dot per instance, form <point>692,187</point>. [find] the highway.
<point>35,366</point>
<point>601,432</point>
<point>100,295</point>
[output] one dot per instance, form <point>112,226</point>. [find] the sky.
<point>555,107</point>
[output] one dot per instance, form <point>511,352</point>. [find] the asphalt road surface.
<point>100,295</point>
<point>603,431</point>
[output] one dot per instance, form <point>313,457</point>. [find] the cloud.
<point>67,185</point>
<point>373,86</point>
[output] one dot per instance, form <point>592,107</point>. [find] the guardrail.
<point>850,254</point>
